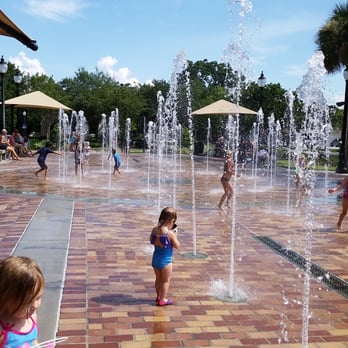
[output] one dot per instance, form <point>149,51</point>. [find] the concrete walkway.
<point>46,240</point>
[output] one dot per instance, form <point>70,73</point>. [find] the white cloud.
<point>106,64</point>
<point>27,65</point>
<point>55,9</point>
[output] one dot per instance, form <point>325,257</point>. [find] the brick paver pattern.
<point>108,297</point>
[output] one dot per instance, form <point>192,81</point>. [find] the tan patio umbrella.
<point>223,107</point>
<point>37,100</point>
<point>8,28</point>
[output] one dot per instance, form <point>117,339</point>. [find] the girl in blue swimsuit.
<point>18,318</point>
<point>164,238</point>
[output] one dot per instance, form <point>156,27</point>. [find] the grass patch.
<point>284,164</point>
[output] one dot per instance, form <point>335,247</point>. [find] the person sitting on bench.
<point>5,145</point>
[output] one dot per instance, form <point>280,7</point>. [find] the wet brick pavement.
<point>108,296</point>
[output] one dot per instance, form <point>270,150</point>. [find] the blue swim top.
<point>161,240</point>
<point>10,338</point>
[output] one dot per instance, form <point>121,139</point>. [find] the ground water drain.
<point>325,277</point>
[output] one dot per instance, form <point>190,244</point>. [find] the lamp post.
<point>24,124</point>
<point>3,70</point>
<point>261,81</point>
<point>342,159</point>
<point>17,78</point>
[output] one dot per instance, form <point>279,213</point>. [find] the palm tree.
<point>332,40</point>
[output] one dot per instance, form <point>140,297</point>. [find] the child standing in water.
<point>21,287</point>
<point>343,185</point>
<point>79,158</point>
<point>164,238</point>
<point>43,152</point>
<point>300,173</point>
<point>117,160</point>
<point>226,180</point>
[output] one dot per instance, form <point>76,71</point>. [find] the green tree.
<point>274,102</point>
<point>11,92</point>
<point>93,93</point>
<point>332,40</point>
<point>148,94</point>
<point>97,93</point>
<point>46,118</point>
<point>336,116</point>
<point>209,83</point>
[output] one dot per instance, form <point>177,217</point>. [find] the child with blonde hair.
<point>226,180</point>
<point>164,238</point>
<point>21,286</point>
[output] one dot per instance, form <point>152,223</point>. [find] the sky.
<point>138,40</point>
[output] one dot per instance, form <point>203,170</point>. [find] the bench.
<point>2,155</point>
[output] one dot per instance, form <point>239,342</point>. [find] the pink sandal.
<point>165,302</point>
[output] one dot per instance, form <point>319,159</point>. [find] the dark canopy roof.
<point>8,28</point>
